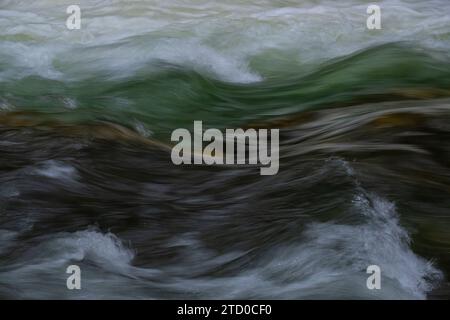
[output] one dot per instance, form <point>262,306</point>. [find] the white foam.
<point>329,261</point>
<point>219,39</point>
<point>40,272</point>
<point>56,170</point>
<point>380,241</point>
<point>105,249</point>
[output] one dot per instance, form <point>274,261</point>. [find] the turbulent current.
<point>86,176</point>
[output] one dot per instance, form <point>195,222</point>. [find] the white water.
<point>328,261</point>
<point>238,41</point>
<point>234,41</point>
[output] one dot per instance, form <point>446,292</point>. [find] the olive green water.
<point>86,175</point>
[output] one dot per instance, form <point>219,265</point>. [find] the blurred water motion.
<point>85,170</point>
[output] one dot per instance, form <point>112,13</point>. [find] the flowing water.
<point>86,176</point>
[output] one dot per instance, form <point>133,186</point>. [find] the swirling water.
<point>86,176</point>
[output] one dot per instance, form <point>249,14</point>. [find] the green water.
<point>86,176</point>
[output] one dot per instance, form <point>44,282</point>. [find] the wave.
<point>237,41</point>
<point>329,259</point>
<point>86,177</point>
<point>174,97</point>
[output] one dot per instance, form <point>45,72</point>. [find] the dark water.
<point>372,189</point>
<point>86,176</point>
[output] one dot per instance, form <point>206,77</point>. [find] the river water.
<point>86,176</point>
